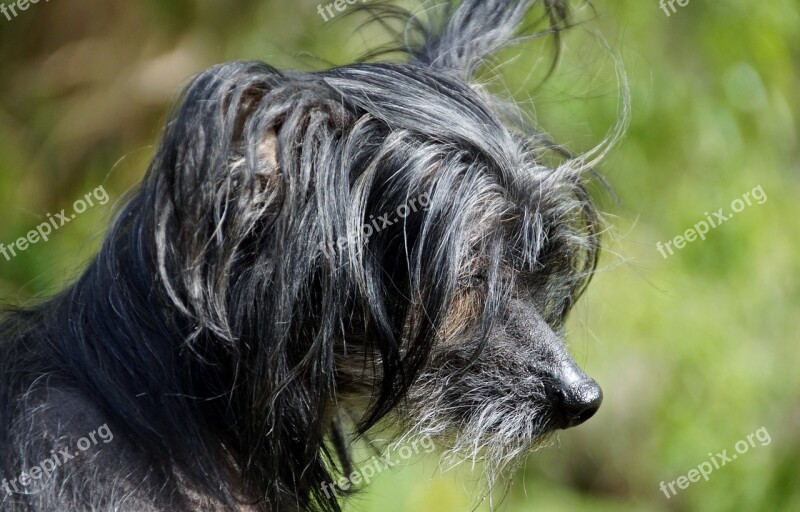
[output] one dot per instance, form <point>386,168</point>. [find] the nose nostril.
<point>581,401</point>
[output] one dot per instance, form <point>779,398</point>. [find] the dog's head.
<point>382,233</point>
<point>465,298</point>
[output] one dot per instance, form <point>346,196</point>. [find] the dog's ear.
<point>264,160</point>
<point>214,178</point>
<point>247,168</point>
<point>267,186</point>
<point>236,184</point>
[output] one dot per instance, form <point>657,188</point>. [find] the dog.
<point>312,256</point>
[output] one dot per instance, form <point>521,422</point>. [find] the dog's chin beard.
<point>472,424</point>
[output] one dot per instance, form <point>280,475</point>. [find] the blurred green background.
<point>694,352</point>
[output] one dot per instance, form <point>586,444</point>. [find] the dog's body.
<point>202,360</point>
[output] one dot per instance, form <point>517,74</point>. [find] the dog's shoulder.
<point>65,454</point>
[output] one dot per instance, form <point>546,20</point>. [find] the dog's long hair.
<point>216,331</point>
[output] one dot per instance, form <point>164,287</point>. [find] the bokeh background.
<point>694,352</point>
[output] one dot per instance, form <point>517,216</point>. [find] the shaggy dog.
<point>312,256</point>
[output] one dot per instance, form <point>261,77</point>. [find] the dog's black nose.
<point>577,401</point>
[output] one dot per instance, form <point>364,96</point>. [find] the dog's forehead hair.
<point>436,106</point>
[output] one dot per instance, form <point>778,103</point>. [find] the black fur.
<point>227,337</point>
